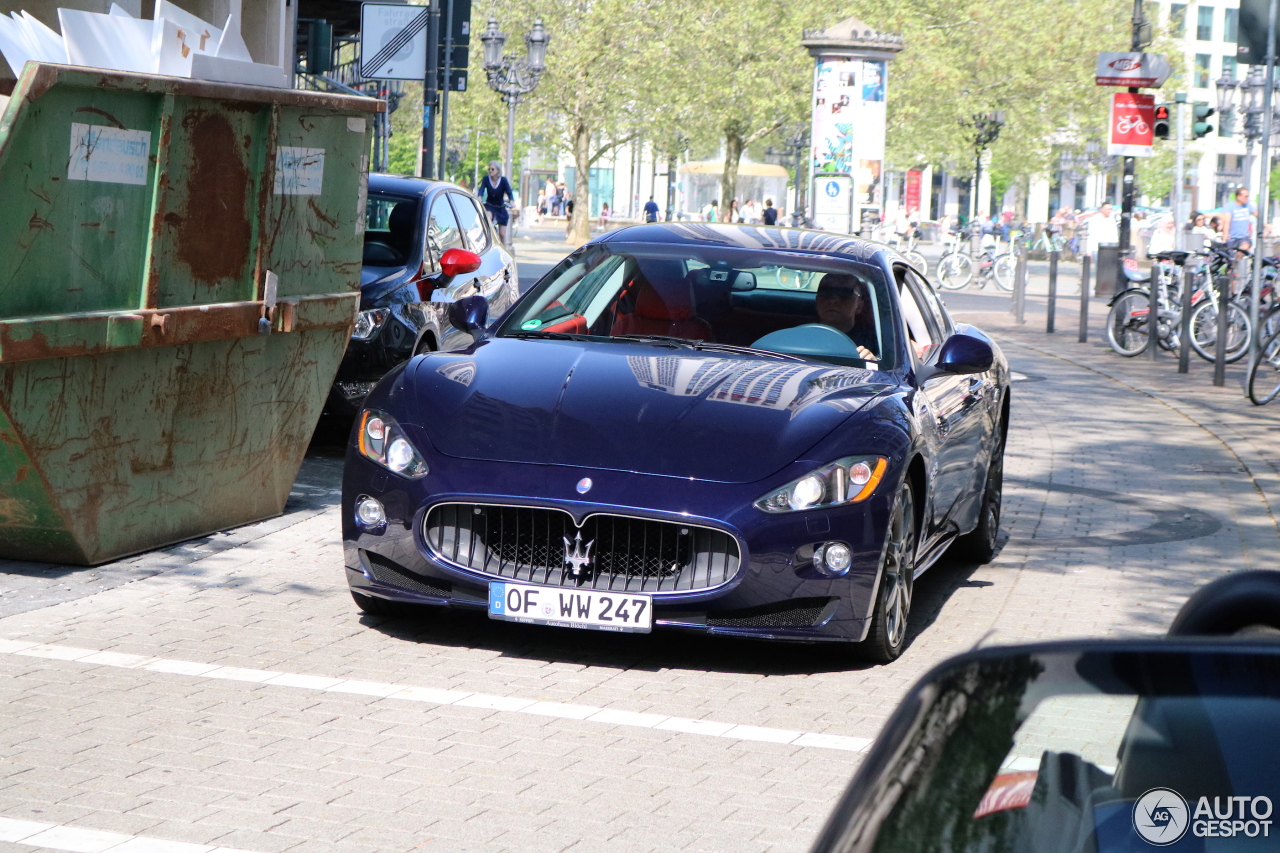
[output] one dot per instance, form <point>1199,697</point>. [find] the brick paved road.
<point>1118,505</point>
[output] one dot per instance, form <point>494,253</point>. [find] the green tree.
<point>747,72</point>
<point>970,57</point>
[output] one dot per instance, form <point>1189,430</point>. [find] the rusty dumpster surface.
<point>179,274</point>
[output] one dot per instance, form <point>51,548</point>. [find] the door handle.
<point>977,387</point>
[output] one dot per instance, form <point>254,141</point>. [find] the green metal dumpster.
<point>179,274</point>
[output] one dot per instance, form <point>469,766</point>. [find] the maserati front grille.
<point>610,552</point>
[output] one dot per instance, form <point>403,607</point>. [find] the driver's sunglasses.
<point>844,294</point>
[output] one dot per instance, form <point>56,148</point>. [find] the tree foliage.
<point>707,75</point>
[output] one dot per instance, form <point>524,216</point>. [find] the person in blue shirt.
<point>1241,213</point>
<point>650,210</point>
<point>769,216</point>
<point>494,190</point>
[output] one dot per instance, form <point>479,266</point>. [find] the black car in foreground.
<point>426,245</point>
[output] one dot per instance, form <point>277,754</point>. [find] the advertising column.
<point>848,131</point>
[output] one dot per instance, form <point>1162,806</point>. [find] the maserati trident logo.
<point>577,556</point>
<point>584,485</point>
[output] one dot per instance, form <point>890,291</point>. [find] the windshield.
<point>814,308</point>
<point>1023,755</point>
<point>391,222</point>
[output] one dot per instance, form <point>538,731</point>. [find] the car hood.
<point>657,410</point>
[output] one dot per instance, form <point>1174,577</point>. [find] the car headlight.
<point>368,323</point>
<point>383,440</point>
<point>848,480</point>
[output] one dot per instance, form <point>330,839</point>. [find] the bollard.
<point>1184,337</point>
<point>1220,345</point>
<point>1053,291</point>
<point>1153,315</point>
<point>1084,298</point>
<point>1020,290</point>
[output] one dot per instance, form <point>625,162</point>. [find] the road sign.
<point>833,202</point>
<point>1132,69</point>
<point>393,41</point>
<point>1251,32</point>
<point>1133,118</point>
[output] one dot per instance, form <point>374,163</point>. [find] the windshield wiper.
<point>549,336</point>
<point>655,339</point>
<point>708,345</point>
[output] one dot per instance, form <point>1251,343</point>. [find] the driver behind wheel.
<point>842,303</point>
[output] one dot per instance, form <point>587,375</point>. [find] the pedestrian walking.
<point>1102,227</point>
<point>494,191</point>
<point>650,210</point>
<point>568,214</point>
<point>769,216</point>
<point>733,215</point>
<point>709,212</point>
<point>1240,214</point>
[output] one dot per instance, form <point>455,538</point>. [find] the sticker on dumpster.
<point>109,155</point>
<point>299,171</point>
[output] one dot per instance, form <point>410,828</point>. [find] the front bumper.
<point>775,594</point>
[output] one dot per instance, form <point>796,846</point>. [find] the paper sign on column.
<point>109,155</point>
<point>299,171</point>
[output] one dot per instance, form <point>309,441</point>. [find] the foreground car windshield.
<point>1100,752</point>
<point>811,307</point>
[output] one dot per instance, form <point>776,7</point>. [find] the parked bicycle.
<point>906,246</point>
<point>1264,373</point>
<point>1128,323</point>
<point>957,266</point>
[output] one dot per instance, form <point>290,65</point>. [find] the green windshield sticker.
<point>531,324</point>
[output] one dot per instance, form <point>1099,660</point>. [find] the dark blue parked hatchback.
<point>752,431</point>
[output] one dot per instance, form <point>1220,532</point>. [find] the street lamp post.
<point>794,148</point>
<point>513,77</point>
<point>986,131</point>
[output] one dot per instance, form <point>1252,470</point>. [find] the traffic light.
<point>1199,127</point>
<point>1160,130</point>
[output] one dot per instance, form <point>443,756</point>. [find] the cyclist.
<point>494,191</point>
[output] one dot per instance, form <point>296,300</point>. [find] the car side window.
<point>472,222</point>
<point>931,303</point>
<point>922,331</point>
<point>443,232</point>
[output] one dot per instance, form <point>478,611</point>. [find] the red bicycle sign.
<point>1132,118</point>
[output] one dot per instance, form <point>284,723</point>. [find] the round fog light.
<point>832,559</point>
<point>370,513</point>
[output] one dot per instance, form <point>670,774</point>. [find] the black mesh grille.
<point>800,613</point>
<point>393,574</point>
<point>626,553</point>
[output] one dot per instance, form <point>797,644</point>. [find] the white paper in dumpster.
<point>197,34</point>
<point>117,42</point>
<point>109,154</point>
<point>173,56</point>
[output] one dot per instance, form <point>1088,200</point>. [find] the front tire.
<point>888,635</point>
<point>917,260</point>
<point>1128,324</point>
<point>1264,374</point>
<point>1204,331</point>
<point>1005,269</point>
<point>955,271</point>
<point>376,606</point>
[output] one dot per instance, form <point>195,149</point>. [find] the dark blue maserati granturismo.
<point>760,432</point>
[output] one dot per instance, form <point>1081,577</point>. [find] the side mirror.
<point>453,263</point>
<point>470,315</point>
<point>960,354</point>
<point>458,262</point>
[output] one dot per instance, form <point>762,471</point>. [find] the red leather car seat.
<point>669,310</point>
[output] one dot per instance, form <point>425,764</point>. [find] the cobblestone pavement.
<point>262,712</point>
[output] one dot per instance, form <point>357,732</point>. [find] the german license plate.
<point>570,608</point>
